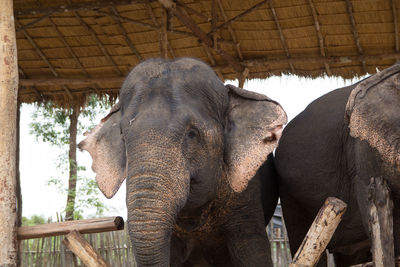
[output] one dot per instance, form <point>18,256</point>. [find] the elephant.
<point>189,147</point>
<point>333,149</point>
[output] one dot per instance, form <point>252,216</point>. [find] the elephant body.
<point>189,147</point>
<point>332,149</point>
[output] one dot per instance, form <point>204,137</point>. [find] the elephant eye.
<point>193,133</point>
<point>269,138</point>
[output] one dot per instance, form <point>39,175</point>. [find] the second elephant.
<point>332,149</point>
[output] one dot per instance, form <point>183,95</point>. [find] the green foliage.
<point>50,124</point>
<point>33,220</point>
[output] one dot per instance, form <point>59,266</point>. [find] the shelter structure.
<point>69,49</point>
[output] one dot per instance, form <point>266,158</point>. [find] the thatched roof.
<point>68,49</point>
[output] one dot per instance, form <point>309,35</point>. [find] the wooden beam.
<point>34,22</point>
<point>87,226</point>
<point>68,47</point>
<point>281,36</point>
<point>123,18</point>
<point>72,53</point>
<point>8,136</point>
<point>381,223</point>
<point>81,248</point>
<point>125,34</point>
<point>319,34</point>
<point>44,58</point>
<point>85,91</point>
<point>23,75</point>
<point>229,22</point>
<point>355,33</point>
<point>183,16</point>
<point>70,81</point>
<point>320,233</point>
<point>230,30</point>
<point>75,7</point>
<point>395,25</point>
<point>329,60</point>
<point>266,62</point>
<point>192,11</point>
<point>98,42</point>
<point>214,14</point>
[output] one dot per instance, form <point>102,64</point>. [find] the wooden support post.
<point>381,223</point>
<point>243,77</point>
<point>81,248</point>
<point>87,226</point>
<point>320,233</point>
<point>8,136</point>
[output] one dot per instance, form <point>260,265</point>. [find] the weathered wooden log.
<point>367,264</point>
<point>97,225</point>
<point>320,233</point>
<point>381,223</point>
<point>8,136</point>
<point>81,248</point>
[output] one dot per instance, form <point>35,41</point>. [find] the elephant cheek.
<point>379,135</point>
<point>245,164</point>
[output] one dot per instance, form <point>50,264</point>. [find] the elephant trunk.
<point>157,189</point>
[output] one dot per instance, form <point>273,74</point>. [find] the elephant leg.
<point>396,225</point>
<point>297,221</point>
<point>177,252</point>
<point>247,239</point>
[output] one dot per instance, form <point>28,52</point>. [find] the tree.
<point>60,127</point>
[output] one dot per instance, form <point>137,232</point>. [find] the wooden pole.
<point>8,136</point>
<point>81,248</point>
<point>87,226</point>
<point>320,233</point>
<point>381,223</point>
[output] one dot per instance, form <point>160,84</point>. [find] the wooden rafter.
<point>133,21</point>
<point>281,36</point>
<point>229,22</point>
<point>69,48</point>
<point>319,34</point>
<point>76,7</point>
<point>230,30</point>
<point>184,17</point>
<point>71,51</point>
<point>44,58</point>
<point>211,58</point>
<point>24,76</point>
<point>192,11</point>
<point>34,22</point>
<point>87,90</point>
<point>98,42</point>
<point>248,63</point>
<point>214,14</point>
<point>125,34</point>
<point>395,25</point>
<point>355,32</point>
<point>161,30</point>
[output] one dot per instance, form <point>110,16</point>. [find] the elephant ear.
<point>253,130</point>
<point>373,113</point>
<point>107,149</point>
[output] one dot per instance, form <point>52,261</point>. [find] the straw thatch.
<point>68,49</point>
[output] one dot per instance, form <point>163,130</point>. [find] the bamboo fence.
<point>115,247</point>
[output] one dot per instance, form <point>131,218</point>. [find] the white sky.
<point>38,159</point>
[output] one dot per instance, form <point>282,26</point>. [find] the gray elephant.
<point>188,147</point>
<point>333,148</point>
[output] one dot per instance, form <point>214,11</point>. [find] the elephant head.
<point>176,132</point>
<point>373,113</point>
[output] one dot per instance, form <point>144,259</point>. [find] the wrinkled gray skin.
<point>333,150</point>
<point>189,146</point>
